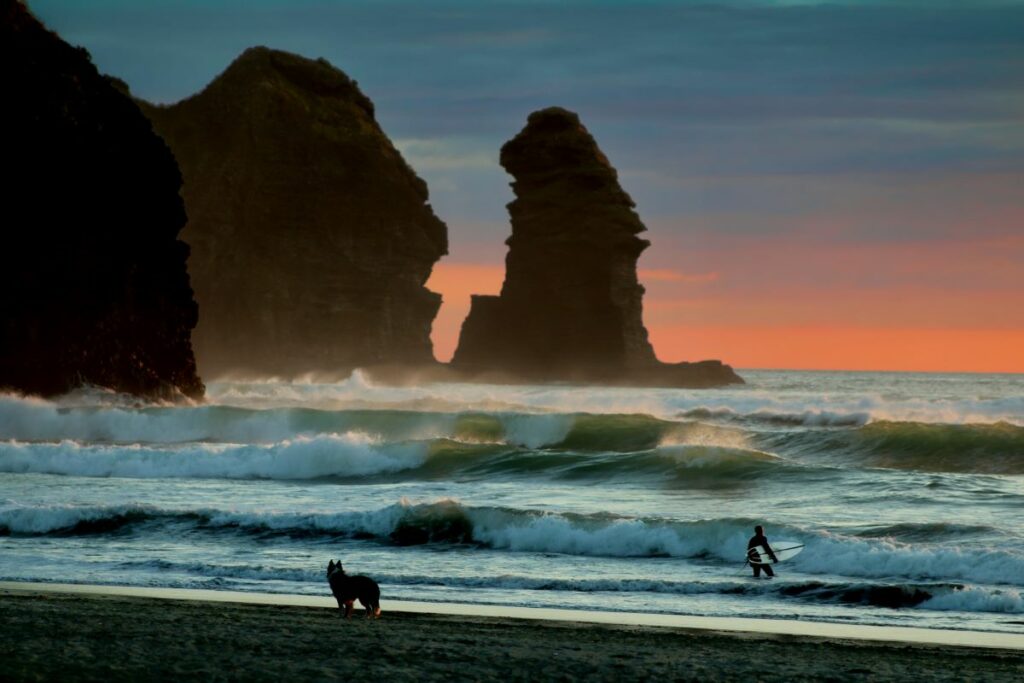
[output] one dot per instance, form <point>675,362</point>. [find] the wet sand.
<point>66,636</point>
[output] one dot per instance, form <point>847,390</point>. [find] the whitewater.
<point>907,490</point>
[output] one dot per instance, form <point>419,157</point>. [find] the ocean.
<point>907,491</point>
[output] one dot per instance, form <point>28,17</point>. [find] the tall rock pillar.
<point>571,303</point>
<point>571,307</point>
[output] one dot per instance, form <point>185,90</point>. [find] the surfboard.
<point>784,550</point>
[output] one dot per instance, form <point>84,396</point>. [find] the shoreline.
<point>82,635</point>
<point>791,628</point>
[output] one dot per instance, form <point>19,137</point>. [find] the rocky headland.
<point>570,308</point>
<point>311,237</point>
<point>93,288</point>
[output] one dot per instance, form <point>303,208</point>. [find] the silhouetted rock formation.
<point>311,237</point>
<point>93,285</point>
<point>571,305</point>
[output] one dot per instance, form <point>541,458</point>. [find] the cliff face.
<point>571,305</point>
<point>311,237</point>
<point>93,287</point>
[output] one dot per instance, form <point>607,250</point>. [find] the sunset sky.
<point>825,184</point>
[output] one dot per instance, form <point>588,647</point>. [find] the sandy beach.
<point>50,636</point>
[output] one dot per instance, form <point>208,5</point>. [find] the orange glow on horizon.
<point>456,282</point>
<point>845,348</point>
<point>678,334</point>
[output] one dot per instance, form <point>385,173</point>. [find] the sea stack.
<point>94,288</point>
<point>311,237</point>
<point>571,307</point>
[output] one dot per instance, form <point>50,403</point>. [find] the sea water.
<point>907,491</point>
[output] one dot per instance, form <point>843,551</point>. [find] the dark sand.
<point>88,637</point>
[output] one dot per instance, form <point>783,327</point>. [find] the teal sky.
<point>832,126</point>
<point>672,91</point>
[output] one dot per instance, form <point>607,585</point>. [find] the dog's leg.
<point>348,609</point>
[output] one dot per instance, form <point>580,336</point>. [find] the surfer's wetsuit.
<point>754,556</point>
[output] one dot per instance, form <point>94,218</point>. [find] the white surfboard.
<point>784,550</point>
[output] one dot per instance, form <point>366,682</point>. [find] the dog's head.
<point>334,567</point>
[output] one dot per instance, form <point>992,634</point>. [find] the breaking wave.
<point>931,534</point>
<point>335,455</point>
<point>811,399</point>
<point>811,437</point>
<point>717,541</point>
<point>354,457</point>
<point>409,523</point>
<point>968,448</point>
<point>627,447</point>
<point>38,420</point>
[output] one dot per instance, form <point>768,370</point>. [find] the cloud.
<point>802,162</point>
<point>854,209</point>
<point>446,154</point>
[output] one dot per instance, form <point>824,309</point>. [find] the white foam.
<point>978,599</point>
<point>375,522</point>
<point>608,537</point>
<point>726,539</point>
<point>700,434</point>
<point>523,531</point>
<point>824,399</point>
<point>701,457</point>
<point>536,431</point>
<point>35,519</point>
<point>834,554</point>
<point>831,399</point>
<point>532,416</point>
<point>349,454</point>
<point>27,419</point>
<point>41,519</point>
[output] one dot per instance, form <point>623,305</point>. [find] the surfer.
<point>754,555</point>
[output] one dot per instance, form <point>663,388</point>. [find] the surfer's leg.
<point>757,570</point>
<point>769,571</point>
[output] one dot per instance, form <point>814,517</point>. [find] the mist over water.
<point>906,489</point>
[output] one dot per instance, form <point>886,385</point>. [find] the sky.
<point>826,184</point>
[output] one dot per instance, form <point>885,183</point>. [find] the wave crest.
<point>968,448</point>
<point>446,521</point>
<point>334,455</point>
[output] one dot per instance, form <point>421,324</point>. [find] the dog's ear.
<point>330,565</point>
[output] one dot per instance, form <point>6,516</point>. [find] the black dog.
<point>347,589</point>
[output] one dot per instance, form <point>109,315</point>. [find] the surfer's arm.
<point>771,553</point>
